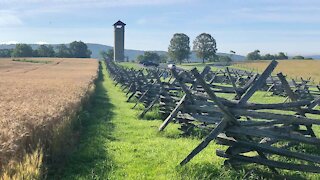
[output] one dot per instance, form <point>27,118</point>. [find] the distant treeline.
<point>76,49</point>
<point>255,55</point>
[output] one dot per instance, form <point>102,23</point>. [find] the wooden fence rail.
<point>260,133</point>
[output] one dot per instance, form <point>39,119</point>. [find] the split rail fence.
<point>271,132</point>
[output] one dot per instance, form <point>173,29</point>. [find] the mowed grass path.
<point>116,144</point>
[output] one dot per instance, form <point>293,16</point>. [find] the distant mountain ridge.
<point>130,53</point>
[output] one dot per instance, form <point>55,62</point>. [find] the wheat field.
<point>35,96</point>
<point>292,68</point>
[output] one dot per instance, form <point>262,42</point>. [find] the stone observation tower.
<point>118,41</point>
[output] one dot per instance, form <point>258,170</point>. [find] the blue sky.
<point>291,26</point>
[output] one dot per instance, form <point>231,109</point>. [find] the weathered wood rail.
<point>259,133</point>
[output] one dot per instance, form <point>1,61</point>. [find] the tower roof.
<point>119,23</point>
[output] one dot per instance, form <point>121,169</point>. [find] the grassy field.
<point>38,97</point>
<point>131,65</point>
<point>199,66</point>
<point>187,66</point>
<point>116,144</point>
<point>293,68</point>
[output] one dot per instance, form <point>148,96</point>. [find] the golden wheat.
<point>36,97</point>
<point>292,68</point>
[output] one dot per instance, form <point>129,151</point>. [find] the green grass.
<point>131,65</point>
<point>31,61</point>
<point>116,144</point>
<point>199,66</point>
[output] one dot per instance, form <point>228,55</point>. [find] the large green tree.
<point>45,51</point>
<point>205,46</point>
<point>179,48</point>
<point>22,50</point>
<point>63,51</point>
<point>79,49</point>
<point>255,55</point>
<point>149,56</point>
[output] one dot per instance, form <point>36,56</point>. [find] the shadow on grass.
<point>214,171</point>
<point>90,160</point>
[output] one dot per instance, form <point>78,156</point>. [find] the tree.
<point>152,56</point>
<point>103,55</point>
<point>79,49</point>
<point>255,55</point>
<point>63,51</point>
<point>140,58</point>
<point>45,51</point>
<point>281,56</point>
<point>268,57</point>
<point>110,54</point>
<point>205,46</point>
<point>22,50</point>
<point>107,55</point>
<point>298,57</point>
<point>149,56</point>
<point>179,48</point>
<point>225,59</point>
<point>5,52</point>
<point>164,58</point>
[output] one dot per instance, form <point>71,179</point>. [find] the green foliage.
<point>179,48</point>
<point>298,57</point>
<point>5,52</point>
<point>63,51</point>
<point>45,51</point>
<point>164,58</point>
<point>149,56</point>
<point>75,50</point>
<point>107,55</point>
<point>268,57</point>
<point>79,49</point>
<point>205,46</point>
<point>110,54</point>
<point>281,56</point>
<point>31,61</point>
<point>22,50</point>
<point>255,55</point>
<point>224,59</point>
